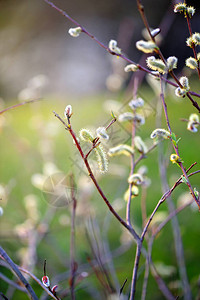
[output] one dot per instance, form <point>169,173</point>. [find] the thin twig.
<point>135,270</point>
<point>164,26</point>
<point>176,146</point>
<point>73,264</point>
<point>16,270</point>
<point>161,284</point>
<point>38,282</point>
<point>186,120</point>
<point>3,296</point>
<point>18,105</point>
<point>164,197</point>
<point>143,205</point>
<point>139,243</point>
<point>123,285</point>
<point>146,277</point>
<point>171,215</point>
<point>144,155</point>
<point>128,206</point>
<point>99,277</point>
<point>11,282</point>
<point>97,250</point>
<point>193,45</point>
<point>157,50</point>
<point>175,226</point>
<point>141,68</point>
<point>4,263</point>
<point>96,141</point>
<point>90,173</point>
<point>144,218</point>
<point>106,251</point>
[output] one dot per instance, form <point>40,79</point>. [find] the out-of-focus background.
<point>39,59</point>
<point>34,39</point>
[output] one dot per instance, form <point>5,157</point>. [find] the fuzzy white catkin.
<point>131,67</point>
<point>172,62</point>
<point>113,47</point>
<point>146,46</point>
<point>68,111</point>
<point>180,92</point>
<point>156,64</point>
<point>159,132</point>
<point>102,159</point>
<point>184,82</point>
<point>121,149</point>
<point>101,133</point>
<point>86,135</point>
<point>75,32</point>
<point>191,63</point>
<point>136,103</point>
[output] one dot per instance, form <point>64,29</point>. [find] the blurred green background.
<point>31,139</point>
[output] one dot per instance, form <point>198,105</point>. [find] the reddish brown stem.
<point>18,105</point>
<point>143,16</point>
<point>193,45</point>
<point>121,55</point>
<point>90,173</point>
<point>164,197</point>
<point>176,147</point>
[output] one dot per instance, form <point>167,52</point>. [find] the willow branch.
<point>90,173</point>
<point>164,197</point>
<point>176,147</point>
<point>141,68</point>
<point>158,51</point>
<point>18,105</point>
<point>193,45</point>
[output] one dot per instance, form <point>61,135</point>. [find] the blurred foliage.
<point>34,142</point>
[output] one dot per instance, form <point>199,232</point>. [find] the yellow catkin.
<point>102,159</point>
